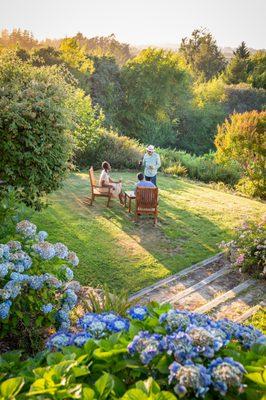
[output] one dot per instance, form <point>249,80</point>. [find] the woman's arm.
<point>110,180</point>
<point>103,184</point>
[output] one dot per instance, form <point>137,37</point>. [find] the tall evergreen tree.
<point>242,51</point>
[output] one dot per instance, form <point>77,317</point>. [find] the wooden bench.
<point>146,202</point>
<point>97,190</point>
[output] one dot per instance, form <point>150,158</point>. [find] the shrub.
<point>203,168</point>
<point>35,288</point>
<point>110,357</point>
<point>120,151</point>
<point>35,146</point>
<point>242,139</point>
<point>248,250</point>
<point>176,169</point>
<point>11,211</point>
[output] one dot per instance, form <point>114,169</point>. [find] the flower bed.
<point>36,292</point>
<point>153,353</point>
<point>248,250</point>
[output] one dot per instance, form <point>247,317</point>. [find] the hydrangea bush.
<point>248,250</point>
<point>154,353</point>
<point>36,287</point>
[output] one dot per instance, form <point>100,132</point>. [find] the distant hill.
<point>227,51</point>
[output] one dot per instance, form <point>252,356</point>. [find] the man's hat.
<point>150,148</point>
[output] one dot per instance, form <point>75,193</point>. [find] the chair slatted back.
<point>92,177</point>
<point>146,198</point>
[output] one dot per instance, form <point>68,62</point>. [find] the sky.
<point>140,22</point>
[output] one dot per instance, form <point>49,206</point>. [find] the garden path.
<point>212,287</point>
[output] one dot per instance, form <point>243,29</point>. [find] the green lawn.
<point>193,220</point>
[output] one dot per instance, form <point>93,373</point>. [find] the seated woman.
<point>105,182</point>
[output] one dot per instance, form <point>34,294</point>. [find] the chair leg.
<point>108,201</point>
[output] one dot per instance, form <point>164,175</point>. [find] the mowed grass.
<point>193,220</point>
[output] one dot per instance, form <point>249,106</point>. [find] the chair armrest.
<point>108,189</point>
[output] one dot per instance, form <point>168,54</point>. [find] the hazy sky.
<point>140,21</point>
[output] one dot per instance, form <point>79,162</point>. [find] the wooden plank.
<point>226,296</point>
<point>197,286</point>
<point>249,312</point>
<point>176,276</point>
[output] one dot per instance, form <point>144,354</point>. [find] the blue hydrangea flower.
<point>118,325</point>
<point>4,251</point>
<point>73,258</point>
<point>226,373</point>
<point>71,298</point>
<point>3,270</point>
<point>74,285</point>
<point>4,309</point>
<point>59,340</point>
<point>175,320</point>
<point>138,312</point>
<point>61,250</point>
<point>42,235</point>
<point>26,228</point>
<point>21,258</point>
<point>19,267</point>
<point>189,379</point>
<point>97,329</point>
<point>85,321</point>
<point>47,308</point>
<point>79,339</point>
<point>147,345</point>
<point>14,245</point>
<point>52,281</point>
<point>45,250</point>
<point>12,289</point>
<point>17,277</point>
<point>181,346</point>
<point>36,282</point>
<point>67,272</point>
<point>108,317</point>
<point>62,316</point>
<point>204,340</point>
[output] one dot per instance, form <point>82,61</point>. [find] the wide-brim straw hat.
<point>150,148</point>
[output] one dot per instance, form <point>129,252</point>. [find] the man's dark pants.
<point>151,179</point>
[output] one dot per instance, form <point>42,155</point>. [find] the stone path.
<point>212,287</point>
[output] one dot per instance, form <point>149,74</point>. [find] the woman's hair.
<point>105,165</point>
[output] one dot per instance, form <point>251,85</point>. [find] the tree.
<point>105,46</point>
<point>202,53</point>
<point>106,89</point>
<point>75,56</point>
<point>242,51</point>
<point>257,74</point>
<point>237,70</point>
<point>156,85</point>
<point>35,145</point>
<point>242,139</point>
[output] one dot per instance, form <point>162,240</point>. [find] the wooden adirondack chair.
<point>104,192</point>
<point>146,202</point>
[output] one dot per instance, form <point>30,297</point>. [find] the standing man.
<point>151,163</point>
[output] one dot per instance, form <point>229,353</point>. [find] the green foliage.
<point>28,290</point>
<point>103,370</point>
<point>102,299</point>
<point>257,76</point>
<point>203,168</point>
<point>202,53</point>
<point>105,46</point>
<point>105,88</point>
<point>236,71</point>
<point>242,97</point>
<point>242,51</point>
<point>247,251</point>
<point>11,211</point>
<point>176,169</point>
<point>35,146</point>
<point>156,86</point>
<point>258,320</point>
<point>242,139</point>
<point>120,151</point>
<point>75,56</point>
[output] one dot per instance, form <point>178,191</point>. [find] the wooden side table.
<point>130,195</point>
